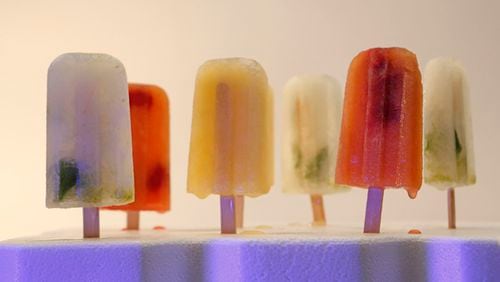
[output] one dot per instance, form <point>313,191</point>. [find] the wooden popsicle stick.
<point>223,152</point>
<point>240,210</point>
<point>373,215</point>
<point>91,223</point>
<point>227,215</point>
<point>451,209</point>
<point>133,220</point>
<point>318,210</point>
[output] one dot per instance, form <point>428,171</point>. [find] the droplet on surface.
<point>414,232</point>
<point>252,232</point>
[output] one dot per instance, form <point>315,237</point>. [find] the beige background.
<point>164,42</point>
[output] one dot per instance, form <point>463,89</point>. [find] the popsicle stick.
<point>373,213</point>
<point>318,210</point>
<point>240,210</point>
<point>451,209</point>
<point>91,223</point>
<point>133,220</point>
<point>223,152</point>
<point>228,218</point>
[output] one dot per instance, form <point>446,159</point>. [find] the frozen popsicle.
<point>381,134</point>
<point>149,114</point>
<point>311,123</point>
<point>448,150</point>
<point>231,151</point>
<point>89,149</point>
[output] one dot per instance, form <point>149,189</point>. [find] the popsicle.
<point>381,134</point>
<point>149,114</point>
<point>89,149</point>
<point>311,123</point>
<point>448,148</point>
<point>231,150</point>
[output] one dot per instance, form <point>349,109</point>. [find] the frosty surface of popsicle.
<point>312,113</point>
<point>448,149</point>
<point>89,148</point>
<point>381,134</point>
<point>231,151</point>
<point>149,113</point>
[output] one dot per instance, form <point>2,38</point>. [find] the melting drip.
<point>412,194</point>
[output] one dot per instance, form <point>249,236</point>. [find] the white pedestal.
<point>292,253</point>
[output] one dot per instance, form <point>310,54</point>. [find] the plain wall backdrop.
<point>164,43</point>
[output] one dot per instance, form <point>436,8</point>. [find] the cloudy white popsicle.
<point>89,149</point>
<point>448,148</point>
<point>312,114</point>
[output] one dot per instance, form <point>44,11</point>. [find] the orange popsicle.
<point>149,111</point>
<point>381,134</point>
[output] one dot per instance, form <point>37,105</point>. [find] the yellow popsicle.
<point>231,150</point>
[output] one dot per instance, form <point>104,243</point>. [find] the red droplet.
<point>412,194</point>
<point>414,232</point>
<point>159,227</point>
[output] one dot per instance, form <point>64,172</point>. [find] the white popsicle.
<point>312,114</point>
<point>448,149</point>
<point>89,149</point>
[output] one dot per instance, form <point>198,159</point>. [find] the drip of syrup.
<point>414,232</point>
<point>412,194</point>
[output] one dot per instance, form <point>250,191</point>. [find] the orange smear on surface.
<point>414,231</point>
<point>128,229</point>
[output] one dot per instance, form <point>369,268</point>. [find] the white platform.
<point>291,253</point>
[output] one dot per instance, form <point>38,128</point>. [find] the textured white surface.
<point>89,147</point>
<point>292,253</point>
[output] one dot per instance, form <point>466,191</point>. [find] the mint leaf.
<point>458,146</point>
<point>297,156</point>
<point>313,169</point>
<point>68,176</point>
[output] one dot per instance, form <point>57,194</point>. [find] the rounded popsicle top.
<point>443,66</point>
<point>96,60</point>
<point>379,53</point>
<point>232,68</point>
<point>147,95</point>
<point>376,62</point>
